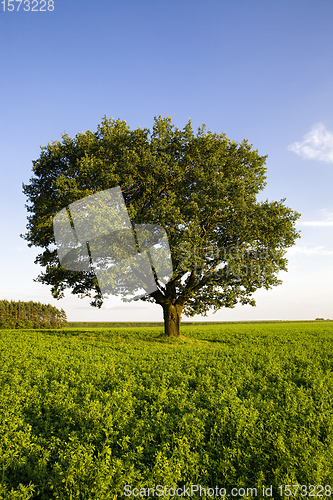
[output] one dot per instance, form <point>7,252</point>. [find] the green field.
<point>86,411</point>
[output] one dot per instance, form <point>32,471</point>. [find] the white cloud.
<point>309,251</point>
<point>316,223</point>
<point>319,223</point>
<point>317,144</point>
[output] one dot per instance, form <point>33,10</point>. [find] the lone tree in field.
<point>200,188</point>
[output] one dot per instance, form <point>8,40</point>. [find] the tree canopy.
<point>201,188</point>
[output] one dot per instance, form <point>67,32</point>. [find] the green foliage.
<point>84,413</point>
<point>200,188</point>
<point>30,315</point>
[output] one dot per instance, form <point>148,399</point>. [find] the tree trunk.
<point>172,319</point>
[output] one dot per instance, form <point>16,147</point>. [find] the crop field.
<point>123,412</point>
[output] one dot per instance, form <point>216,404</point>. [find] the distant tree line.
<point>30,315</point>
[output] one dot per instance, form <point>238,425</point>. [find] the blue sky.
<point>260,70</point>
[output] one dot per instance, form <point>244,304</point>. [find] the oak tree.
<point>201,188</point>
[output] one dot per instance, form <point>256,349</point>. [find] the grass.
<point>85,411</point>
